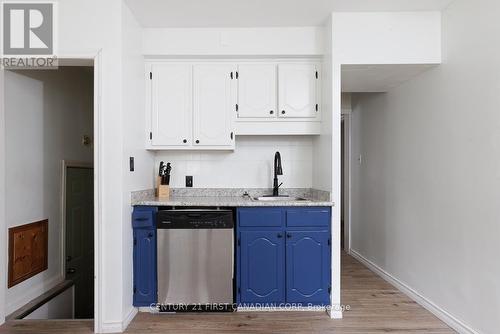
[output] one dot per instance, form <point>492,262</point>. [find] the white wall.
<point>60,307</point>
<point>322,145</point>
<point>426,198</point>
<point>304,41</point>
<point>134,123</point>
<point>46,115</point>
<point>88,28</point>
<point>387,38</point>
<point>249,166</point>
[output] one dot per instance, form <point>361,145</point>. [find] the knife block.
<point>163,191</point>
<point>158,184</point>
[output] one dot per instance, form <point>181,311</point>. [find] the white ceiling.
<point>378,78</point>
<point>261,13</point>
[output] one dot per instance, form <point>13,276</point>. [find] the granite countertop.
<point>228,198</point>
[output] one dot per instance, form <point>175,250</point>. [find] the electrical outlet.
<point>189,181</point>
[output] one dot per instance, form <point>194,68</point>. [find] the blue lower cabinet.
<point>262,267</point>
<point>308,267</point>
<point>284,262</point>
<point>144,253</point>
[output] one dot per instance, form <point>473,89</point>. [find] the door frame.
<point>65,165</point>
<point>68,60</point>
<point>96,58</point>
<point>346,182</point>
<point>3,223</point>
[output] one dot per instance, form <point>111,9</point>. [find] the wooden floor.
<point>375,307</point>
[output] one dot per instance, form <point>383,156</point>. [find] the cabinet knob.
<point>288,235</point>
<point>185,141</point>
<point>280,235</point>
<point>283,112</point>
<point>197,141</point>
<point>150,235</point>
<point>271,112</point>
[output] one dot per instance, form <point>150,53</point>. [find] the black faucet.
<point>277,171</point>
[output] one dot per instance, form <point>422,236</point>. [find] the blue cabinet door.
<point>308,267</point>
<point>145,286</point>
<point>262,267</point>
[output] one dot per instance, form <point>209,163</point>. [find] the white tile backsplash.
<point>249,166</point>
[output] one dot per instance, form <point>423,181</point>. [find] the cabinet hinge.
<point>317,75</point>
<point>150,75</point>
<point>135,241</point>
<point>317,107</point>
<point>237,75</point>
<point>232,135</point>
<point>329,289</point>
<point>231,75</point>
<point>329,242</point>
<point>236,107</point>
<point>239,242</point>
<point>151,136</point>
<point>135,289</point>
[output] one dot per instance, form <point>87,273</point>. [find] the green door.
<point>80,238</point>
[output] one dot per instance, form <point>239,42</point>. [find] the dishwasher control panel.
<point>194,219</point>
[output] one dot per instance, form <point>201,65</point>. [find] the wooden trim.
<point>40,301</point>
<point>44,225</point>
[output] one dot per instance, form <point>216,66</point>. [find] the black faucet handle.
<point>280,184</point>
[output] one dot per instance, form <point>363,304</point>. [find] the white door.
<point>214,104</point>
<point>171,104</point>
<point>297,90</point>
<point>257,91</point>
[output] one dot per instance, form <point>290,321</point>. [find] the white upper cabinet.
<point>171,105</point>
<point>203,105</point>
<point>298,90</point>
<point>257,97</point>
<point>214,105</point>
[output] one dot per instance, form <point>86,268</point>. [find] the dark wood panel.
<point>28,251</point>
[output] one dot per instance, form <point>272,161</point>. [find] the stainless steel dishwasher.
<point>195,260</point>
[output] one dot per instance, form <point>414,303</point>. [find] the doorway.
<point>78,234</point>
<point>49,119</point>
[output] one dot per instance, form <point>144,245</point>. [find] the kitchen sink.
<point>279,198</point>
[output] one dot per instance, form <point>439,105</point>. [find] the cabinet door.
<point>257,91</point>
<point>145,286</point>
<point>308,267</point>
<point>297,90</point>
<point>262,267</point>
<point>214,105</point>
<point>171,103</point>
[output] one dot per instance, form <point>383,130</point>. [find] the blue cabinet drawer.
<point>304,217</point>
<point>143,218</point>
<point>256,217</point>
